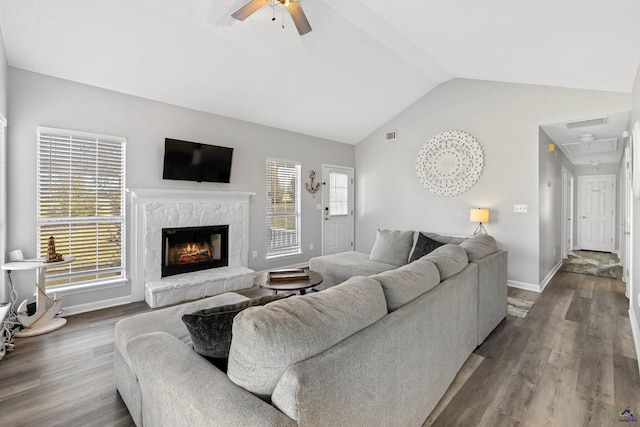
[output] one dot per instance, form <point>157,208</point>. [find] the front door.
<point>596,212</point>
<point>337,209</point>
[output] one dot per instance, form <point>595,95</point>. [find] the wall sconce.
<point>479,215</point>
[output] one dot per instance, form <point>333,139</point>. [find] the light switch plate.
<point>520,208</point>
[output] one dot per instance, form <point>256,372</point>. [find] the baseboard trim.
<point>98,305</point>
<point>635,329</point>
<point>549,276</point>
<point>524,285</point>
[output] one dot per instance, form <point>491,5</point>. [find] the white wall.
<point>634,301</point>
<point>504,118</point>
<point>3,78</point>
<point>42,100</point>
<point>3,111</point>
<point>550,193</point>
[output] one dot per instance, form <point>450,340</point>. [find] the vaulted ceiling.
<point>363,63</point>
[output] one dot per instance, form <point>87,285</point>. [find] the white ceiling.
<point>362,64</point>
<point>604,146</point>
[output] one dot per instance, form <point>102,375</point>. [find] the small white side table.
<point>43,320</point>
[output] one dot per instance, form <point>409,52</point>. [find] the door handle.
<point>583,217</point>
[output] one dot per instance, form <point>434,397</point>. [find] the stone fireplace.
<point>155,211</point>
<point>189,249</point>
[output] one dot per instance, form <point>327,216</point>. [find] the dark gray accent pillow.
<point>210,328</point>
<point>424,245</point>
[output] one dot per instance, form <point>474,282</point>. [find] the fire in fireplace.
<point>190,249</point>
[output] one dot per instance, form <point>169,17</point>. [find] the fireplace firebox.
<point>189,249</point>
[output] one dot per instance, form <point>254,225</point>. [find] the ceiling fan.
<point>293,6</point>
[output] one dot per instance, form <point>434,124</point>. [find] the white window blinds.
<point>283,208</point>
<point>81,184</point>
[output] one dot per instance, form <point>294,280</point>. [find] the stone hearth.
<point>153,210</point>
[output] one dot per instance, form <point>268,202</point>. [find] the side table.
<point>43,320</point>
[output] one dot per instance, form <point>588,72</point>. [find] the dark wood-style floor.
<point>570,362</point>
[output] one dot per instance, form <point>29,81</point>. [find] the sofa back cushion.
<point>408,282</point>
<point>392,247</point>
<point>455,240</point>
<point>479,246</point>
<point>268,339</point>
<point>450,259</point>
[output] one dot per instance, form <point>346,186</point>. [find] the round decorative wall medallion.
<point>449,163</point>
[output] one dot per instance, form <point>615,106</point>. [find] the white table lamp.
<point>479,215</point>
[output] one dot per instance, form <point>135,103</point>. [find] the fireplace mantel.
<point>152,209</point>
<point>145,195</point>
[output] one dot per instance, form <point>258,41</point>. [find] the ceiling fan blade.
<point>248,9</point>
<point>299,18</point>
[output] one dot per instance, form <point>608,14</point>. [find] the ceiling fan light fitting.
<point>587,137</point>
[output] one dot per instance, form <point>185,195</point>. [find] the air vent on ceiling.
<point>390,135</point>
<point>587,122</point>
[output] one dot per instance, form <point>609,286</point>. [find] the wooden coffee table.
<point>299,285</point>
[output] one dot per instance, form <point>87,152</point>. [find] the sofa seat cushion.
<point>408,282</point>
<point>479,246</point>
<point>392,247</point>
<point>450,259</point>
<point>166,320</point>
<point>210,328</point>
<point>268,339</point>
<point>346,265</point>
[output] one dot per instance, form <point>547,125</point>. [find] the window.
<point>81,203</point>
<point>283,208</point>
<point>338,193</point>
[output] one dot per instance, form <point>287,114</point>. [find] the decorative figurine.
<point>312,187</point>
<point>52,255</point>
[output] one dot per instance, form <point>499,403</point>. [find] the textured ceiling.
<point>362,64</point>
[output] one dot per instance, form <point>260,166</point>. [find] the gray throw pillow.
<point>392,247</point>
<point>210,328</point>
<point>424,245</point>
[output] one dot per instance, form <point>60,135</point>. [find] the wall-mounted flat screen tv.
<point>192,161</point>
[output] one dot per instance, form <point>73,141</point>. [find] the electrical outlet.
<point>254,255</point>
<point>310,246</point>
<point>520,208</point>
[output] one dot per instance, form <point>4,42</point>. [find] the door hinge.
<point>351,181</point>
<point>351,244</point>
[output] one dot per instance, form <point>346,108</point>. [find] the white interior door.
<point>337,209</point>
<point>627,192</point>
<point>596,211</point>
<point>567,212</point>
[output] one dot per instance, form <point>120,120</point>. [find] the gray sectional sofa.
<point>393,249</point>
<point>378,350</point>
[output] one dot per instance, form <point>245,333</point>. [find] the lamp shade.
<point>479,215</point>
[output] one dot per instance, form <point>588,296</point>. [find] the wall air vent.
<point>587,122</point>
<point>390,135</point>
